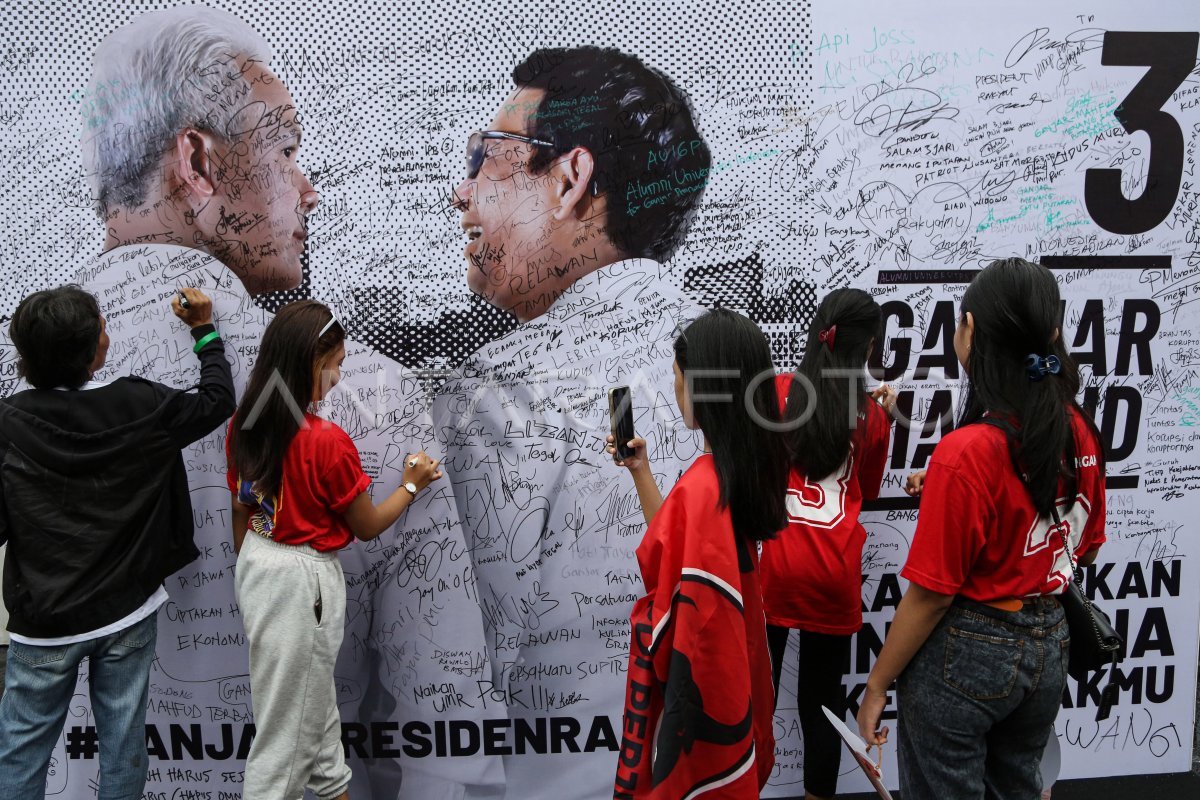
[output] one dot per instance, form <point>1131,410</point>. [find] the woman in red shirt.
<point>299,489</point>
<point>812,572</point>
<point>979,641</point>
<point>699,705</point>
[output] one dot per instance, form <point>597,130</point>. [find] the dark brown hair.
<point>279,390</point>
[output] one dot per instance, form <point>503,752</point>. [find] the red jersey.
<point>812,572</point>
<point>322,474</point>
<point>978,534</point>
<point>699,702</point>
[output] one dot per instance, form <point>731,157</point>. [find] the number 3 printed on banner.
<point>1171,58</point>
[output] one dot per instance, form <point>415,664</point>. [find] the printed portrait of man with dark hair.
<point>576,195</point>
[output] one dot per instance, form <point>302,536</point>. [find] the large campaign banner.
<point>894,147</point>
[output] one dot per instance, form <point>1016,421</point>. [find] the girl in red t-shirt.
<point>979,642</point>
<point>698,705</point>
<point>812,573</point>
<point>299,489</point>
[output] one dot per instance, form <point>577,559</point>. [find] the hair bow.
<point>827,336</point>
<point>1038,367</point>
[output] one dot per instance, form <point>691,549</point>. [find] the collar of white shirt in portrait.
<point>552,524</point>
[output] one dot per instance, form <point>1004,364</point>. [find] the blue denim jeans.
<point>977,703</point>
<point>39,687</point>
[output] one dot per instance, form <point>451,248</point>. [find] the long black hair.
<point>1017,312</point>
<point>279,390</point>
<point>832,379</point>
<point>724,356</point>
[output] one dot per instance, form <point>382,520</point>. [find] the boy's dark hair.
<point>1017,312</point>
<point>638,126</point>
<point>822,444</point>
<point>279,390</point>
<point>724,355</point>
<point>56,332</point>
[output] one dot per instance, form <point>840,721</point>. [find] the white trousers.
<point>293,604</point>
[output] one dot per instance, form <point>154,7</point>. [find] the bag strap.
<point>1009,435</point>
<point>1109,695</point>
<point>1072,559</point>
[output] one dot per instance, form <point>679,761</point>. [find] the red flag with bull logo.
<point>699,701</point>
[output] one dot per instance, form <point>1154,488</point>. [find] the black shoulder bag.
<point>1095,644</point>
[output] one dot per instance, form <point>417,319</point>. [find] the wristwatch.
<point>412,488</point>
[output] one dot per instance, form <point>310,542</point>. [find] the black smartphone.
<point>620,415</point>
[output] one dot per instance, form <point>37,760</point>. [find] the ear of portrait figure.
<point>249,198</point>
<point>522,227</point>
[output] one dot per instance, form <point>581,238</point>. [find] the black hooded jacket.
<point>94,500</point>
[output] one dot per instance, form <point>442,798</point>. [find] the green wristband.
<point>205,339</point>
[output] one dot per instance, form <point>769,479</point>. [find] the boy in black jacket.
<point>95,508</point>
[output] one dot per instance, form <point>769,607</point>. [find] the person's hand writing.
<point>421,470</point>
<point>885,395</point>
<point>915,483</point>
<point>199,310</point>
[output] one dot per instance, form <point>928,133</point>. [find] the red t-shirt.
<point>812,572</point>
<point>322,474</point>
<point>978,534</point>
<point>699,704</point>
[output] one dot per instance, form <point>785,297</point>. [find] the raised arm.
<point>193,416</point>
<point>643,479</point>
<point>367,520</point>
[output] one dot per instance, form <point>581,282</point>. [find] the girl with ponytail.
<point>812,572</point>
<point>299,494</point>
<point>1010,499</point>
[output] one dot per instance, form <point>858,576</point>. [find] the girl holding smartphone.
<point>699,702</point>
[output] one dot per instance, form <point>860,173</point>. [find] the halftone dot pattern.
<point>735,284</point>
<point>809,250</point>
<point>740,285</point>
<point>805,88</point>
<point>387,97</point>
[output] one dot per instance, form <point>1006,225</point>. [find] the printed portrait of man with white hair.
<point>191,150</point>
